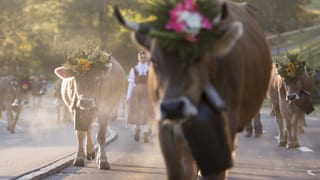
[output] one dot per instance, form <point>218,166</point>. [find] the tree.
<point>276,19</point>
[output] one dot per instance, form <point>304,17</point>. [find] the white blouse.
<point>142,69</point>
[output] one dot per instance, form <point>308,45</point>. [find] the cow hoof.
<point>104,165</point>
<point>91,156</point>
<point>12,131</point>
<point>257,134</point>
<point>78,162</point>
<point>282,144</point>
<point>293,145</point>
<point>248,135</point>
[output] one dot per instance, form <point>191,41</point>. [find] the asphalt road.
<point>256,159</point>
<point>39,140</point>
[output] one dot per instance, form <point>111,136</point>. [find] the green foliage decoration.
<point>87,61</point>
<point>290,68</point>
<point>175,42</point>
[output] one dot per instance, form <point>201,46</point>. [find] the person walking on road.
<point>140,111</point>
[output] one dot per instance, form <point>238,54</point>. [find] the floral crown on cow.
<point>86,60</point>
<point>186,26</point>
<point>290,67</point>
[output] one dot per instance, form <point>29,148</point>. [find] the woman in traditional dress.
<point>140,111</point>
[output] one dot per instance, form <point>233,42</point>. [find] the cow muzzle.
<point>86,104</point>
<point>177,108</point>
<point>292,97</point>
<point>15,105</point>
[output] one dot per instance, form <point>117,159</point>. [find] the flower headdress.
<point>186,26</point>
<point>289,67</point>
<point>86,60</point>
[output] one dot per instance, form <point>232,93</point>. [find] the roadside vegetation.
<point>35,34</point>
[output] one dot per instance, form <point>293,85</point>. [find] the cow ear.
<point>229,38</point>
<point>143,40</point>
<point>61,72</point>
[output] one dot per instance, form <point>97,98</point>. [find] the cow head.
<point>38,86</point>
<point>85,89</point>
<point>177,85</point>
<point>18,94</point>
<point>293,90</point>
<point>294,74</point>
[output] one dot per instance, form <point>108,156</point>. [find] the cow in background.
<point>11,100</point>
<point>91,98</point>
<point>291,100</point>
<point>316,85</point>
<point>38,89</point>
<point>255,125</point>
<point>224,90</point>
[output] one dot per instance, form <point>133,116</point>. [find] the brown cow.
<point>90,98</point>
<point>11,100</point>
<point>224,90</point>
<point>38,89</point>
<point>290,100</point>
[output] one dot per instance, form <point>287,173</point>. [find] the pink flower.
<point>206,24</point>
<point>185,18</point>
<point>190,5</point>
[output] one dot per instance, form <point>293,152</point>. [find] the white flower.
<point>192,21</point>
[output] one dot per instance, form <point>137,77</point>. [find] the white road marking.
<point>305,149</point>
<point>313,172</point>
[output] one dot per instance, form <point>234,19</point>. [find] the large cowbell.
<point>304,103</point>
<point>208,140</point>
<point>83,119</point>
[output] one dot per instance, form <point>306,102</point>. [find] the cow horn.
<point>141,28</point>
<point>216,19</point>
<point>214,98</point>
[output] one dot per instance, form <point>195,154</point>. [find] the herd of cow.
<point>15,93</point>
<point>200,106</point>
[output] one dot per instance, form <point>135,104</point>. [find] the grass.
<point>310,51</point>
<point>317,108</point>
<point>296,38</point>
<point>315,4</point>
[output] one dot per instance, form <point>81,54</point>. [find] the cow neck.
<point>99,89</point>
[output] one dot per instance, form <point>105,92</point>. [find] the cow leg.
<point>282,133</point>
<point>189,166</point>
<point>170,153</point>
<point>101,139</point>
<point>249,129</point>
<point>15,119</point>
<point>10,121</point>
<point>79,160</point>
<point>58,113</point>
<point>66,115</point>
<point>90,151</point>
<point>257,125</point>
<point>39,101</point>
<point>302,123</point>
<point>179,163</point>
<point>293,132</point>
